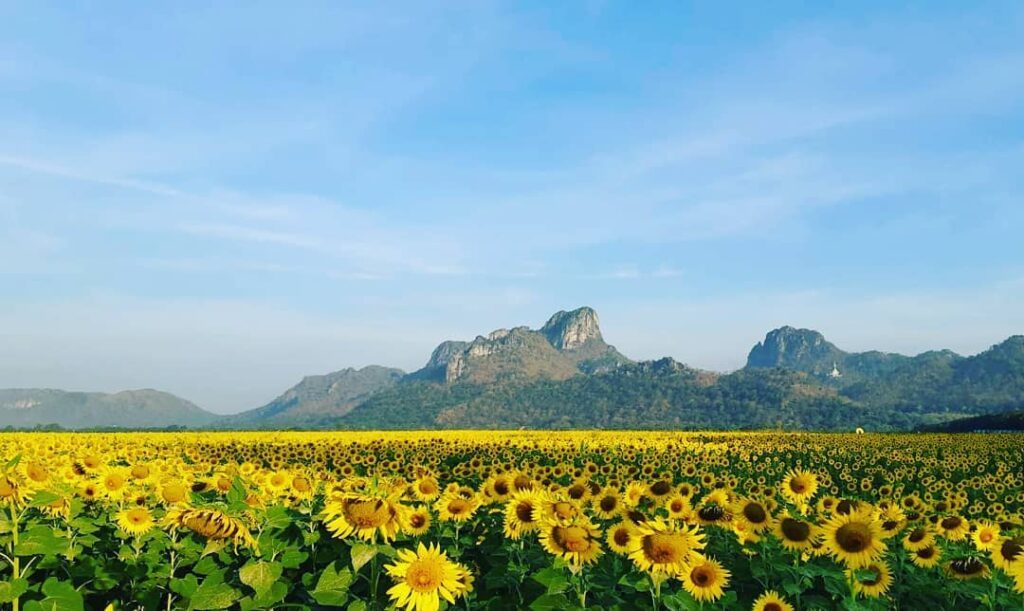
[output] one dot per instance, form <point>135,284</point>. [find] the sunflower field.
<point>511,520</point>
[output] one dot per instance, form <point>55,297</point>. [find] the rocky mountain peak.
<point>571,330</point>
<point>801,349</point>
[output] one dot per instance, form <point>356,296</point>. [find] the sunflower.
<point>751,515</point>
<point>173,492</point>
<point>1009,552</point>
<point>925,557</point>
<point>679,507</point>
<point>521,514</point>
<point>113,483</point>
<point>854,538</point>
<point>211,524</point>
<point>892,520</point>
<point>965,569</point>
<point>795,535</point>
<point>554,508</point>
<point>135,521</point>
<point>871,580</point>
<point>362,516</point>
<point>422,578</point>
<point>619,537</point>
<point>954,528</point>
<point>453,507</point>
<point>606,503</point>
<point>660,547</point>
<point>704,578</point>
<point>12,492</point>
<point>416,521</point>
<point>577,541</point>
<point>771,601</point>
<point>36,475</point>
<point>635,493</point>
<point>60,508</point>
<point>986,536</point>
<point>799,486</point>
<point>918,538</point>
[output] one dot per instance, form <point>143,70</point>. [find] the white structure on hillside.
<point>835,373</point>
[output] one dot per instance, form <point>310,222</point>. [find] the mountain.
<point>27,408</point>
<point>564,375</point>
<point>662,394</point>
<point>935,382</point>
<point>569,343</point>
<point>333,394</point>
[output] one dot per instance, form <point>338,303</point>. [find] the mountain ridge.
<point>564,374</point>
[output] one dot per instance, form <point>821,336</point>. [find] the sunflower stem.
<point>16,565</point>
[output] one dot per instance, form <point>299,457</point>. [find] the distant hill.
<point>936,382</point>
<point>316,397</point>
<point>564,375</point>
<point>31,407</point>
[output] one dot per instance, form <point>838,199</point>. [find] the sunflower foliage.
<point>511,520</point>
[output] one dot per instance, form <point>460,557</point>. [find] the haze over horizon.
<point>217,201</point>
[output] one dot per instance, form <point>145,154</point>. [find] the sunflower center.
<point>524,511</point>
<point>564,510</point>
<point>853,537</point>
<point>701,576</point>
<point>772,607</point>
<point>577,491</point>
<point>458,507</point>
<point>661,487</point>
<point>795,530</point>
<point>140,471</point>
<point>137,516</point>
<point>754,513</point>
<point>427,487</point>
<point>926,553</point>
<point>366,514</point>
<point>608,503</point>
<point>501,487</point>
<point>621,536</point>
<point>1010,550</point>
<point>572,538</point>
<point>916,535</point>
<point>7,488</point>
<point>664,548</point>
<point>967,566</point>
<point>950,523</point>
<point>417,520</point>
<point>423,575</point>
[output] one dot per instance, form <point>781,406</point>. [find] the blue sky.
<point>215,201</point>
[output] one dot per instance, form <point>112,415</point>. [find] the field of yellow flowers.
<point>509,520</point>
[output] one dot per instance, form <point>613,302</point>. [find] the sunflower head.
<point>704,578</point>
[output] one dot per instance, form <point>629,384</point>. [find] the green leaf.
<point>550,601</point>
<point>680,601</point>
<point>293,558</point>
<point>277,518</point>
<point>43,497</point>
<point>551,578</point>
<point>361,554</point>
<point>357,605</point>
<point>40,541</point>
<point>332,586</point>
<point>12,463</point>
<point>9,590</point>
<point>236,495</point>
<point>60,596</point>
<point>213,593</point>
<point>186,586</point>
<point>260,575</point>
